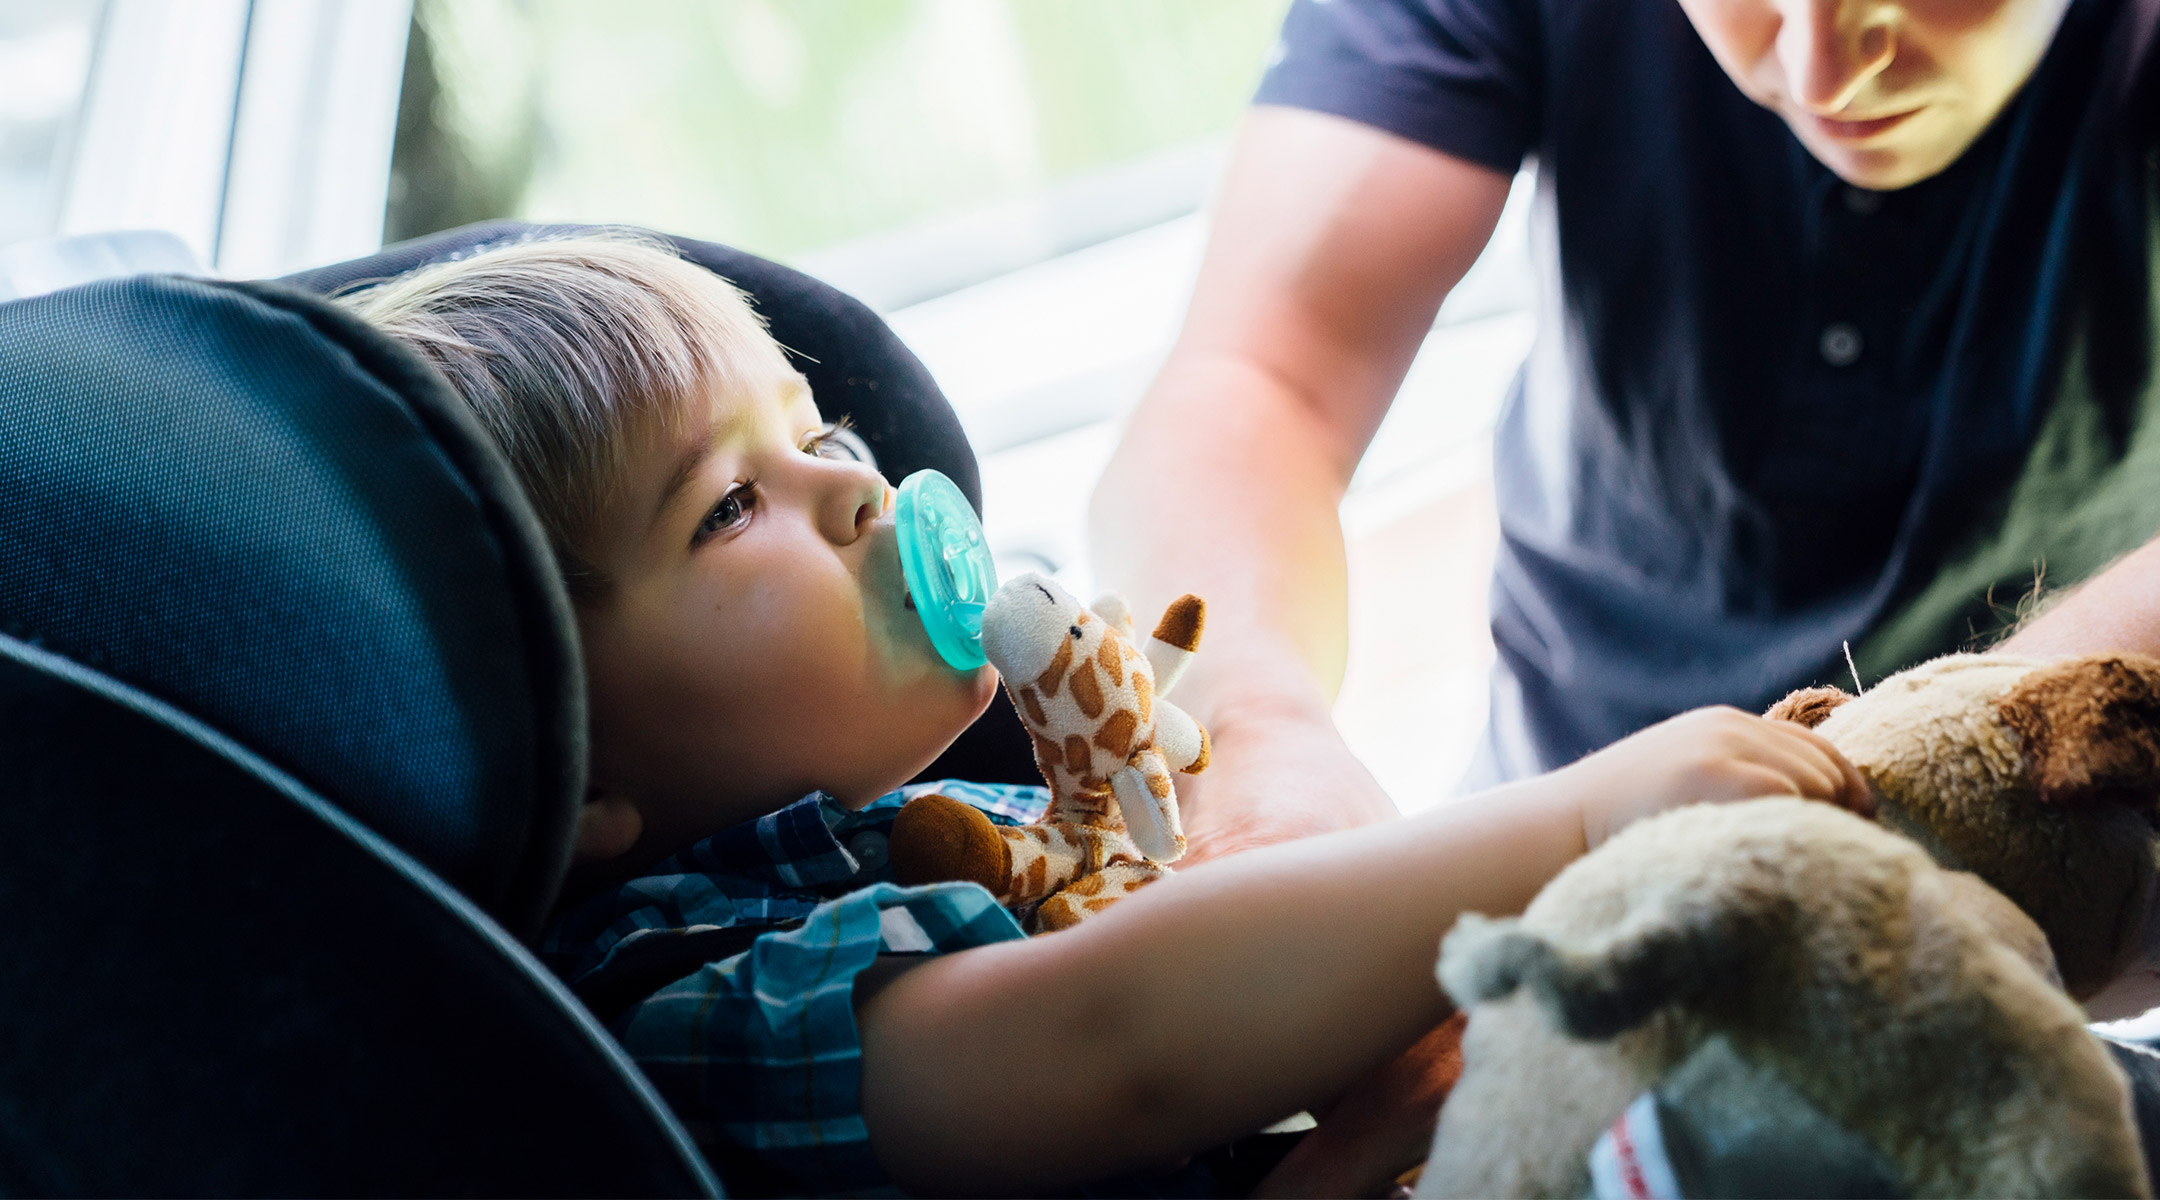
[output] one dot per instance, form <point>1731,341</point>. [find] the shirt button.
<point>868,849</point>
<point>1861,202</point>
<point>1840,344</point>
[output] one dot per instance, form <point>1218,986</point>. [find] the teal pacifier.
<point>947,564</point>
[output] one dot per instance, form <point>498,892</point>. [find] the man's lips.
<point>1859,131</point>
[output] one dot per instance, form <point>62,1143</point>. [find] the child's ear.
<point>607,827</point>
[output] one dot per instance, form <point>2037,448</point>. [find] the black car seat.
<point>291,740</point>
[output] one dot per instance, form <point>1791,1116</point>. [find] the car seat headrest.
<point>243,501</point>
<point>857,366</point>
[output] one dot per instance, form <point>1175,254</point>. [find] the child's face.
<point>757,642</point>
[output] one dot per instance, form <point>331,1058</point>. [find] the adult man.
<point>1846,325</point>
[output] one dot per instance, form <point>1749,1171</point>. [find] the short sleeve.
<point>760,1055</point>
<point>1461,76</point>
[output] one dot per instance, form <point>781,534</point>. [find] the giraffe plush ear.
<point>1808,706</point>
<point>1111,607</point>
<point>2089,729</point>
<point>1170,648</point>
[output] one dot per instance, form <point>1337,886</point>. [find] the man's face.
<point>1884,92</point>
<point>757,642</point>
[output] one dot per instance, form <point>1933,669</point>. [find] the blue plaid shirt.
<point>758,1051</point>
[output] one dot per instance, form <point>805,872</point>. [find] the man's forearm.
<point>1332,246</point>
<point>1225,486</point>
<point>2118,609</point>
<point>1257,535</point>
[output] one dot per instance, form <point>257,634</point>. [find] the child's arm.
<point>1236,993</point>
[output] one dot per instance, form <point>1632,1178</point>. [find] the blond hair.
<point>565,346</point>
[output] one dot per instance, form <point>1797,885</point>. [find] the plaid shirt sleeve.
<point>760,1055</point>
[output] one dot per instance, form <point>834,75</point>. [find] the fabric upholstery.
<point>247,504</point>
<point>217,984</point>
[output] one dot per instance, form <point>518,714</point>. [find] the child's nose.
<point>857,497</point>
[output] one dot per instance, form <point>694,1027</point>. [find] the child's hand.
<point>1711,754</point>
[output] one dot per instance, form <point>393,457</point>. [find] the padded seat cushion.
<point>242,501</point>
<point>217,985</point>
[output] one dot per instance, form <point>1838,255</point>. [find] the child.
<point>759,688</point>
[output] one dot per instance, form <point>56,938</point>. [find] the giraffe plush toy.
<point>1106,742</point>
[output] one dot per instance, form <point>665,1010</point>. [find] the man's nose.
<point>855,497</point>
<point>1832,48</point>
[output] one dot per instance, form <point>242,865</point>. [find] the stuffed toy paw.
<point>1106,742</point>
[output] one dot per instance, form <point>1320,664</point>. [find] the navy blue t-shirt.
<point>1768,414</point>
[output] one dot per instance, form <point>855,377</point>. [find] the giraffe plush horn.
<point>1170,650</point>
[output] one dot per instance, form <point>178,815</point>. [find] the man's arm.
<point>2118,609</point>
<point>1333,245</point>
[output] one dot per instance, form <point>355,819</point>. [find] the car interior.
<point>294,739</point>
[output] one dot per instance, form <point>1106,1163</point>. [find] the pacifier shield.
<point>947,563</point>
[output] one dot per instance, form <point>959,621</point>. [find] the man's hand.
<point>1275,777</point>
<point>1331,248</point>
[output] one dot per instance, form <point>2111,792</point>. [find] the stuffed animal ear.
<point>2089,729</point>
<point>1111,607</point>
<point>1808,706</point>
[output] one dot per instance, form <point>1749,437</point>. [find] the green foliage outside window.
<point>787,125</point>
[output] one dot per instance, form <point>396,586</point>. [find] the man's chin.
<point>1884,168</point>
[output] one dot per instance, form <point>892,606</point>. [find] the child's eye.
<point>732,510</point>
<point>836,440</point>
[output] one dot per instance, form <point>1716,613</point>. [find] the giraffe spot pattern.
<point>1158,785</point>
<point>1144,697</point>
<point>1093,862</point>
<point>1112,663</point>
<point>1077,756</point>
<point>1047,752</point>
<point>1031,704</point>
<point>1116,734</point>
<point>1086,691</point>
<point>1055,915</point>
<point>1054,674</point>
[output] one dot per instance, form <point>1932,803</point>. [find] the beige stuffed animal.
<point>2041,777</point>
<point>1904,1005</point>
<point>1105,740</point>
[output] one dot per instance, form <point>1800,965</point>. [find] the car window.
<point>827,129</point>
<point>45,51</point>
